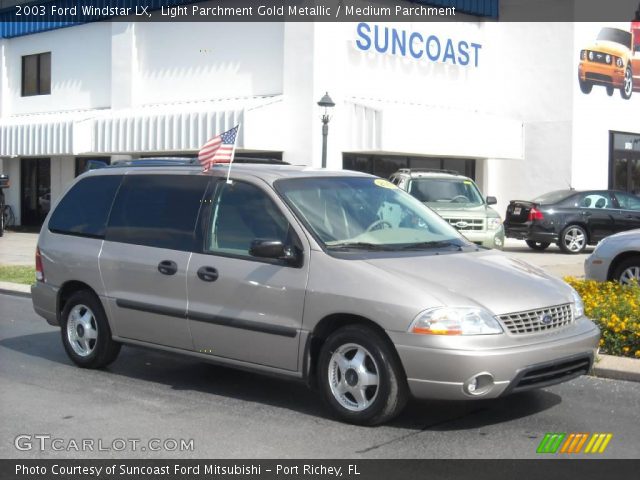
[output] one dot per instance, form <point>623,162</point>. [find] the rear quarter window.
<point>84,210</point>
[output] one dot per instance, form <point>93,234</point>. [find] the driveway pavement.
<point>148,395</point>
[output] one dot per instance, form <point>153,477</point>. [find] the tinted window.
<point>615,35</point>
<point>36,74</point>
<point>628,202</point>
<point>241,214</point>
<point>85,208</point>
<point>157,211</point>
<point>589,200</point>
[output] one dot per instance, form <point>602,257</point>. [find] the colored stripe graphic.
<point>551,442</point>
<point>574,443</point>
<point>598,443</point>
<point>555,442</point>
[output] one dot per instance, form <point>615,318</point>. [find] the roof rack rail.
<point>429,170</point>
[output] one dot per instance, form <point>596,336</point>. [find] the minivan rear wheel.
<point>86,335</point>
<point>360,376</point>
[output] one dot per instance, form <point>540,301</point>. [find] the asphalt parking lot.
<point>148,395</point>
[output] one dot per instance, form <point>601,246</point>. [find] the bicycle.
<point>7,219</point>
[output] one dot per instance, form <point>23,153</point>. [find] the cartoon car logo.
<point>612,61</point>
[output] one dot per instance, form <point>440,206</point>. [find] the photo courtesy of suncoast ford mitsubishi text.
<point>335,278</point>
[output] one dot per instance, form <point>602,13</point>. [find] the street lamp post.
<point>326,103</point>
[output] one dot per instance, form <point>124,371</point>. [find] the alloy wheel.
<point>353,377</point>
<point>574,239</point>
<point>82,330</point>
<point>630,275</point>
<point>627,86</point>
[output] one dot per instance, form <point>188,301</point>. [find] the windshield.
<point>615,35</point>
<point>366,213</point>
<point>450,192</point>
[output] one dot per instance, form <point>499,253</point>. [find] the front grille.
<point>476,224</point>
<point>599,57</point>
<point>534,321</point>
<point>538,376</point>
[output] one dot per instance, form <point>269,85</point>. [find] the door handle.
<point>168,267</point>
<point>207,274</point>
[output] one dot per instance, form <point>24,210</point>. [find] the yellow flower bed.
<point>616,310</point>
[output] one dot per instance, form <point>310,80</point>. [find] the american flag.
<point>219,149</point>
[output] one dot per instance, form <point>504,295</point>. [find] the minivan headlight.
<point>578,305</point>
<point>494,223</point>
<point>455,321</point>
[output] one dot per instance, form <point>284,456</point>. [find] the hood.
<point>486,278</point>
<point>612,48</point>
<point>448,210</point>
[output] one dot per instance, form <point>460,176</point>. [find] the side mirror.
<point>275,249</point>
<point>492,200</point>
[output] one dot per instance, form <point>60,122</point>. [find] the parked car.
<point>572,219</point>
<point>616,258</point>
<point>458,200</point>
<point>339,279</point>
<point>610,61</point>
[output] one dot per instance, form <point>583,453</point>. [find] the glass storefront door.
<point>625,163</point>
<point>35,185</point>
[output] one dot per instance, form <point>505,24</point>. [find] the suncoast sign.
<point>420,46</point>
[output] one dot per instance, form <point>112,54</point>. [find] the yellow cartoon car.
<point>610,62</point>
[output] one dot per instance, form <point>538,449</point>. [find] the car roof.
<point>266,171</point>
<point>430,173</point>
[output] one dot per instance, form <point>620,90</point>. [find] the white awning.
<point>431,130</point>
<point>155,128</point>
<point>169,127</point>
<point>40,134</point>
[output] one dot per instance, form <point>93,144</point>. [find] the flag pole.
<point>233,153</point>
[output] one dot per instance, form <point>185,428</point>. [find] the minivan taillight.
<point>535,214</point>
<point>39,269</point>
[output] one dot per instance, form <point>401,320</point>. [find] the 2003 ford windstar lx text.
<point>339,279</point>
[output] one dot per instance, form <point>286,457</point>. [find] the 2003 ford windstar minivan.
<point>339,279</point>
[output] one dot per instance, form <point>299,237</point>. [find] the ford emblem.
<point>462,224</point>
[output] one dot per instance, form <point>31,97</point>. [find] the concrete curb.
<point>617,368</point>
<point>18,289</point>
<point>606,366</point>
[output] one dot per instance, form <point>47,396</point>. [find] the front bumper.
<point>488,238</point>
<point>440,373</point>
<point>596,268</point>
<point>601,74</point>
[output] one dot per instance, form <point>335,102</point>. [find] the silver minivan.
<point>335,278</point>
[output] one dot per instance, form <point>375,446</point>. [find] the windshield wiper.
<point>357,246</point>
<point>432,244</point>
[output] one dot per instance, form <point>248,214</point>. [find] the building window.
<point>36,74</point>
<point>624,162</point>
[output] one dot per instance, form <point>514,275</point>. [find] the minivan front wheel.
<point>86,335</point>
<point>360,376</point>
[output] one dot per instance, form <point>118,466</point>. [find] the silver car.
<point>338,279</point>
<point>616,258</point>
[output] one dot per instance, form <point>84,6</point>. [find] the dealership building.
<point>497,101</point>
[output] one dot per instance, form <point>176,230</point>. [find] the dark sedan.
<point>572,219</point>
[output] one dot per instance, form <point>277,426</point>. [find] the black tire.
<point>630,268</point>
<point>627,84</point>
<point>100,351</point>
<point>569,239</point>
<point>610,90</point>
<point>585,86</point>
<point>539,246</point>
<point>387,398</point>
